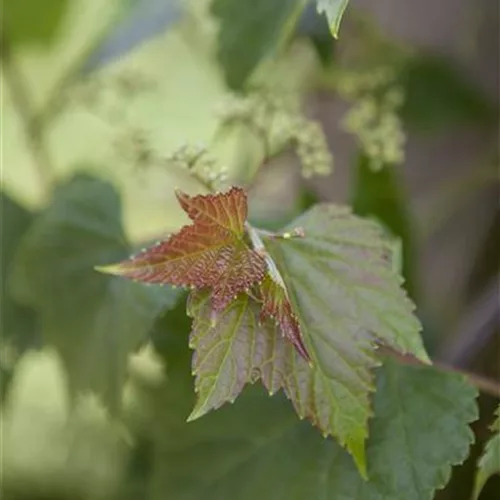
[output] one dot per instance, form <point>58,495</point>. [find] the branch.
<point>484,384</point>
<point>33,128</point>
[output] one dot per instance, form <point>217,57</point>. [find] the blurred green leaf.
<point>49,451</point>
<point>17,322</point>
<point>334,10</point>
<point>32,22</point>
<point>94,321</point>
<point>257,448</point>
<point>250,32</point>
<point>380,194</point>
<point>18,328</point>
<point>489,463</point>
<point>439,95</point>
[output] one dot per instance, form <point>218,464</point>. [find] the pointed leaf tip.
<point>114,269</point>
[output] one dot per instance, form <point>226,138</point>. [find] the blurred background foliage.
<point>95,97</point>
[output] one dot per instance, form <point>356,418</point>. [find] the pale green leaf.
<point>348,299</point>
<point>334,10</point>
<point>93,320</point>
<point>257,448</point>
<point>489,463</point>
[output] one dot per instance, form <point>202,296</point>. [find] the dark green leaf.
<point>17,322</point>
<point>31,21</point>
<point>93,320</point>
<point>257,448</point>
<point>489,463</point>
<point>380,194</point>
<point>439,96</point>
<point>251,31</point>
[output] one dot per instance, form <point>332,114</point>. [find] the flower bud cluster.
<point>278,119</point>
<point>196,159</point>
<point>374,117</point>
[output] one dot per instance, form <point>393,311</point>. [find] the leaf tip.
<point>114,269</point>
<point>195,414</point>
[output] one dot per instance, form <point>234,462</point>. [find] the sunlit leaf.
<point>94,321</point>
<point>251,32</point>
<point>334,10</point>
<point>489,463</point>
<point>208,253</point>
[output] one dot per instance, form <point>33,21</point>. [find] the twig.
<point>33,128</point>
<point>484,384</point>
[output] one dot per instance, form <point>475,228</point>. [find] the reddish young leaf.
<point>277,306</point>
<point>211,252</point>
<point>226,211</point>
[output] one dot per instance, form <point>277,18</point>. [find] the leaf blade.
<point>334,10</point>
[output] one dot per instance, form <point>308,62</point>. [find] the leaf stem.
<point>32,126</point>
<point>484,384</point>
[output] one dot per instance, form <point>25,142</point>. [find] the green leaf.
<point>257,448</point>
<point>489,463</point>
<point>347,298</point>
<point>16,321</point>
<point>94,321</point>
<point>29,22</point>
<point>251,31</point>
<point>439,96</point>
<point>49,451</point>
<point>334,10</point>
<point>380,194</point>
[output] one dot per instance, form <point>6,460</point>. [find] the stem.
<point>484,384</point>
<point>33,127</point>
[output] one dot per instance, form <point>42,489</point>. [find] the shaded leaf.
<point>93,321</point>
<point>489,463</point>
<point>257,448</point>
<point>439,95</point>
<point>348,299</point>
<point>251,31</point>
<point>16,321</point>
<point>209,253</point>
<point>29,22</point>
<point>334,10</point>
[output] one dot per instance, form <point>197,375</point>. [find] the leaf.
<point>29,22</point>
<point>93,321</point>
<point>489,463</point>
<point>380,194</point>
<point>438,95</point>
<point>257,448</point>
<point>49,451</point>
<point>347,299</point>
<point>251,31</point>
<point>334,10</point>
<point>17,322</point>
<point>208,253</point>
<point>276,305</point>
